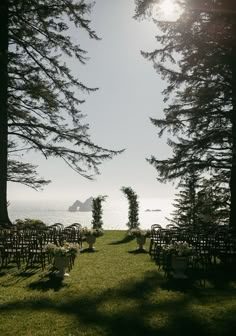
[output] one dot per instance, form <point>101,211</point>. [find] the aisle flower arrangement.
<point>137,232</point>
<point>177,248</point>
<point>91,232</point>
<point>140,236</point>
<point>64,250</point>
<point>90,235</point>
<point>176,259</point>
<point>63,256</point>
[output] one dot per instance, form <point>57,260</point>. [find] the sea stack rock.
<point>79,206</point>
<point>74,206</point>
<point>87,205</point>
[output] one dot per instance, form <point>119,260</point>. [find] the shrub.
<point>29,223</point>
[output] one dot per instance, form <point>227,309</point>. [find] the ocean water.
<point>115,212</point>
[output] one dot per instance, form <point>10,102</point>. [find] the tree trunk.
<point>4,219</point>
<point>233,168</point>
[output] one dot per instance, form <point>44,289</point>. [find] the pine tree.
<point>185,203</point>
<point>202,84</point>
<point>40,98</point>
<point>213,204</point>
<point>201,204</point>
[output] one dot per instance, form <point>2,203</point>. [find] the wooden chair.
<point>12,250</point>
<point>37,254</point>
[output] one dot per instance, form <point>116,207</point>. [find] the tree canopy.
<point>196,56</point>
<point>42,91</point>
<point>41,100</point>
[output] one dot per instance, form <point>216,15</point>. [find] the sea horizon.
<point>115,212</point>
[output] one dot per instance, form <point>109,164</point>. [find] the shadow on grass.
<point>138,251</point>
<point>182,285</point>
<point>48,282</point>
<point>9,269</point>
<point>221,276</point>
<point>125,240</point>
<point>88,250</point>
<point>14,276</point>
<point>25,274</point>
<point>217,278</point>
<point>134,309</point>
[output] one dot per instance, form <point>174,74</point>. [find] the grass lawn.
<point>114,292</point>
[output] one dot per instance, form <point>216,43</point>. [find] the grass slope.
<point>114,292</point>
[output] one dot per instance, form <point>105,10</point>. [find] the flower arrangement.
<point>137,232</point>
<point>91,232</point>
<point>65,250</point>
<point>178,248</point>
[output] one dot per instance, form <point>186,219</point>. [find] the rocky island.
<point>80,206</point>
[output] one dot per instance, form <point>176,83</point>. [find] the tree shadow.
<point>221,276</point>
<point>136,310</point>
<point>217,277</point>
<point>181,285</point>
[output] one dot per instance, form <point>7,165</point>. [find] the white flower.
<point>178,248</point>
<point>67,249</point>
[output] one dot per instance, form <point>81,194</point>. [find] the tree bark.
<point>4,219</point>
<point>233,168</point>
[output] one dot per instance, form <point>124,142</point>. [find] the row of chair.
<point>208,248</point>
<point>27,246</point>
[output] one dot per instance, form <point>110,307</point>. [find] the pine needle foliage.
<point>44,95</point>
<point>200,204</point>
<point>41,98</point>
<point>196,56</point>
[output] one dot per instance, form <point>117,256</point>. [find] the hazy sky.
<point>118,113</point>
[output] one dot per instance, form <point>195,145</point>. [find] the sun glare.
<point>168,10</point>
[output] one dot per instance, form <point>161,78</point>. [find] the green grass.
<point>114,292</point>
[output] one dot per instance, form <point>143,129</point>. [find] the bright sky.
<point>118,114</point>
